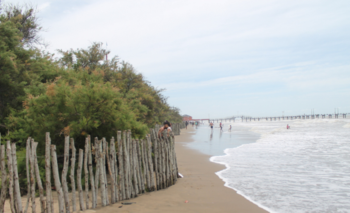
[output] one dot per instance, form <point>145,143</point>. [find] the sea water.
<point>303,169</point>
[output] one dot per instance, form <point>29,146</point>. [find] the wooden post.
<point>131,167</point>
<point>166,152</point>
<point>104,146</point>
<point>49,206</point>
<point>134,160</point>
<point>72,171</point>
<point>164,136</point>
<point>86,171</point>
<point>126,167</point>
<point>97,161</point>
<point>80,188</point>
<point>145,165</point>
<point>15,180</point>
<point>150,162</point>
<point>155,148</point>
<point>142,177</point>
<point>32,176</point>
<point>110,163</point>
<point>102,177</point>
<point>171,176</point>
<point>115,169</point>
<point>38,178</point>
<point>121,166</point>
<point>174,159</point>
<point>28,176</point>
<point>10,168</point>
<point>4,180</point>
<point>64,173</point>
<point>57,179</point>
<point>92,181</point>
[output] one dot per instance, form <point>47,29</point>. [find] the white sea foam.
<point>303,169</point>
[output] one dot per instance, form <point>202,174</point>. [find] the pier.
<point>279,118</point>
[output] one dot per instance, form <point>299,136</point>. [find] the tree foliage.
<point>77,94</point>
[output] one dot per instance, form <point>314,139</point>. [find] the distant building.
<point>187,118</point>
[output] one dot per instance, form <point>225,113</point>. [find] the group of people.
<point>221,126</point>
<point>193,123</point>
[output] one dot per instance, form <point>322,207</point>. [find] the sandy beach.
<point>201,190</point>
<point>201,187</point>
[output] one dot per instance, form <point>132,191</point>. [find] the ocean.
<point>303,169</point>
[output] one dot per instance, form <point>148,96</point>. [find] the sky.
<point>222,58</point>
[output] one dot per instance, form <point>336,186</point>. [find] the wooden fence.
<point>101,174</point>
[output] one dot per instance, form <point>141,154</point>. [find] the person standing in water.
<point>220,126</point>
<point>288,127</point>
<point>230,128</point>
<point>211,125</point>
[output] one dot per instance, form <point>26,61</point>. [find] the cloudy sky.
<point>219,58</point>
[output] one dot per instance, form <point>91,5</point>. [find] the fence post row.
<point>119,170</point>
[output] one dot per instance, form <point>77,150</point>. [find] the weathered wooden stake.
<point>64,173</point>
<point>4,179</point>
<point>72,171</point>
<point>10,168</point>
<point>102,177</point>
<point>150,162</point>
<point>141,174</point>
<point>121,166</point>
<point>86,171</point>
<point>27,170</point>
<point>92,181</point>
<point>32,176</point>
<point>80,188</point>
<point>155,146</point>
<point>38,178</point>
<point>49,202</point>
<point>134,168</point>
<point>17,192</point>
<point>126,167</point>
<point>146,165</point>
<point>103,145</point>
<point>57,179</point>
<point>110,164</point>
<point>97,161</point>
<point>131,170</point>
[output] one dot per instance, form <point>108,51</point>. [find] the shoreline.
<point>201,189</point>
<point>227,167</point>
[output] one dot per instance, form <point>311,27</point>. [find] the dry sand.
<point>203,190</point>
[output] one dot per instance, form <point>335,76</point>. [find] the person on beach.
<point>211,125</point>
<point>170,127</point>
<point>230,128</point>
<point>186,124</point>
<point>288,127</point>
<point>220,126</point>
<point>165,127</point>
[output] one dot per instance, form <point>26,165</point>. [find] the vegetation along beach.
<point>174,106</point>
